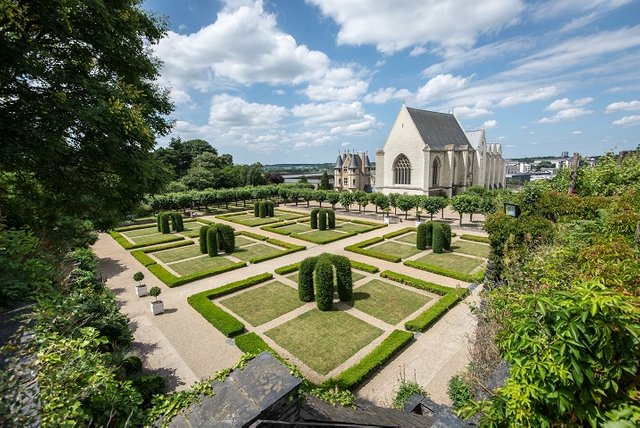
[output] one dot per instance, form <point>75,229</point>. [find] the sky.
<point>300,81</point>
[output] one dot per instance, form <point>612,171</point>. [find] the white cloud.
<point>528,96</point>
<point>417,51</point>
<point>393,26</point>
<point>243,45</point>
<point>627,121</point>
<point>233,111</point>
<point>337,84</point>
<point>279,91</point>
<point>179,97</point>
<point>383,95</point>
<point>577,132</point>
<point>567,114</point>
<point>565,103</point>
<point>439,85</point>
<point>339,118</point>
<point>623,106</point>
<point>345,144</point>
<point>466,112</point>
<point>554,8</point>
<point>490,124</point>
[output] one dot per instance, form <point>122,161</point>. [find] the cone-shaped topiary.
<point>323,278</point>
<point>331,219</point>
<point>203,239</point>
<point>438,241</point>
<point>212,240</point>
<point>322,219</point>
<point>446,228</point>
<point>305,279</point>
<point>314,218</point>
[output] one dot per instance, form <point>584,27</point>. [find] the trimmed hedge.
<point>323,278</point>
<point>446,229</point>
<point>434,313</point>
<point>277,228</point>
<point>421,238</point>
<point>129,246</point>
<point>251,343</point>
<point>202,240</point>
<point>182,243</point>
<point>399,232</point>
<point>226,323</point>
<point>270,210</point>
<point>262,209</point>
<point>212,240</point>
<point>134,227</point>
<point>434,288</point>
<point>314,218</point>
<point>290,248</point>
<point>445,272</point>
<point>331,219</point>
<point>356,374</point>
<point>140,256</point>
<point>226,238</point>
<point>322,219</point>
<point>364,267</point>
<point>324,240</point>
<point>163,223</point>
<point>437,244</point>
<point>176,222</point>
<point>288,269</point>
<point>305,279</point>
<point>476,238</point>
<point>252,235</point>
<point>174,281</point>
<point>359,249</point>
<point>256,210</point>
<point>344,280</point>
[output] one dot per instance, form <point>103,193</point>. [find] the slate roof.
<point>339,162</point>
<point>367,164</point>
<point>355,161</point>
<point>438,129</point>
<point>475,137</point>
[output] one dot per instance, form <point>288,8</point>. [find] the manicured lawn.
<point>296,228</point>
<point>253,251</point>
<point>387,302</point>
<point>175,254</point>
<point>324,340</point>
<point>193,229</point>
<point>471,248</point>
<point>321,236</point>
<point>241,241</point>
<point>451,261</point>
<point>286,216</point>
<point>202,263</point>
<point>352,227</point>
<point>156,238</point>
<point>395,249</point>
<point>264,304</point>
<point>248,219</point>
<point>139,232</point>
<point>409,238</point>
<point>355,276</point>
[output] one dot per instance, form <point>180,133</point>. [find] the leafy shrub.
<point>322,219</point>
<point>202,241</point>
<point>212,240</point>
<point>437,244</point>
<point>85,257</point>
<point>421,241</point>
<point>138,276</point>
<point>148,385</point>
<point>323,275</point>
<point>131,364</point>
<point>331,219</point>
<point>405,391</point>
<point>155,292</point>
<point>226,238</point>
<point>314,218</point>
<point>251,343</point>
<point>305,279</point>
<point>344,280</point>
<point>459,392</point>
<point>356,374</point>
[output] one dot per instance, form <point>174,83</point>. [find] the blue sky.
<point>298,81</point>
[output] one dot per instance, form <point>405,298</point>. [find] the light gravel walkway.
<point>185,346</point>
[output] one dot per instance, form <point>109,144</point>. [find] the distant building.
<point>564,155</point>
<point>352,172</point>
<point>429,153</point>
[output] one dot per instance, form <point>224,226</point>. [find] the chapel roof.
<point>475,137</point>
<point>438,129</point>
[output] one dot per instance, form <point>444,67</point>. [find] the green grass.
<point>140,232</point>
<point>175,254</point>
<point>293,277</point>
<point>200,264</point>
<point>471,248</point>
<point>387,302</point>
<point>355,276</point>
<point>264,304</point>
<point>409,238</point>
<point>352,227</point>
<point>324,340</point>
<point>155,238</point>
<point>253,251</point>
<point>193,231</point>
<point>322,236</point>
<point>296,228</point>
<point>451,262</point>
<point>395,249</point>
<point>250,220</point>
<point>241,241</point>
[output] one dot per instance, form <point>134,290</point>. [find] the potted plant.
<point>157,307</point>
<point>385,216</point>
<point>418,214</point>
<point>141,289</point>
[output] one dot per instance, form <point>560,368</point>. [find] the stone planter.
<point>419,222</point>
<point>387,220</point>
<point>141,290</point>
<point>157,307</point>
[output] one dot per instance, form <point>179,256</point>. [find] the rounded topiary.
<point>177,223</point>
<point>437,244</point>
<point>305,279</point>
<point>203,239</point>
<point>270,209</point>
<point>322,219</point>
<point>226,238</point>
<point>256,209</point>
<point>421,235</point>
<point>262,209</point>
<point>344,280</point>
<point>323,278</point>
<point>155,292</point>
<point>314,218</point>
<point>138,276</point>
<point>331,219</point>
<point>446,228</point>
<point>131,364</point>
<point>212,241</point>
<point>164,223</point>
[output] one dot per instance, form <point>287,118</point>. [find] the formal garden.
<point>336,320</point>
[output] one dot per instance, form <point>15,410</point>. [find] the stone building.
<point>353,172</point>
<point>428,153</point>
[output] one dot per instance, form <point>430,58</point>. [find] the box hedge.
<point>323,279</point>
<point>174,281</point>
<point>476,238</point>
<point>399,232</point>
<point>364,267</point>
<point>252,235</point>
<point>322,219</point>
<point>438,241</point>
<point>438,289</point>
<point>322,240</point>
<point>212,240</point>
<point>202,240</point>
<point>359,248</point>
<point>331,219</point>
<point>466,277</point>
<point>283,270</point>
<point>433,313</point>
<point>251,343</point>
<point>305,279</point>
<point>313,222</point>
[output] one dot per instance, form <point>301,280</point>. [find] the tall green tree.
<point>79,107</point>
<point>324,181</point>
<point>180,155</point>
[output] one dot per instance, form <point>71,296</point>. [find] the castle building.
<point>428,153</point>
<point>352,172</point>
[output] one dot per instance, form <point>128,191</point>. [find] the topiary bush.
<point>305,279</point>
<point>212,241</point>
<point>269,208</point>
<point>148,385</point>
<point>323,278</point>
<point>262,209</point>
<point>446,228</point>
<point>158,221</point>
<point>428,236</point>
<point>164,223</point>
<point>322,219</point>
<point>438,242</point>
<point>331,219</point>
<point>256,209</point>
<point>421,234</point>
<point>344,280</point>
<point>177,223</point>
<point>203,239</point>
<point>131,364</point>
<point>314,218</point>
<point>226,238</point>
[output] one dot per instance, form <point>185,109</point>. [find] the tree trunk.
<point>460,219</point>
<point>406,215</point>
<point>471,217</point>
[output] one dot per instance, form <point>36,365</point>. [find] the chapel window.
<point>402,170</point>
